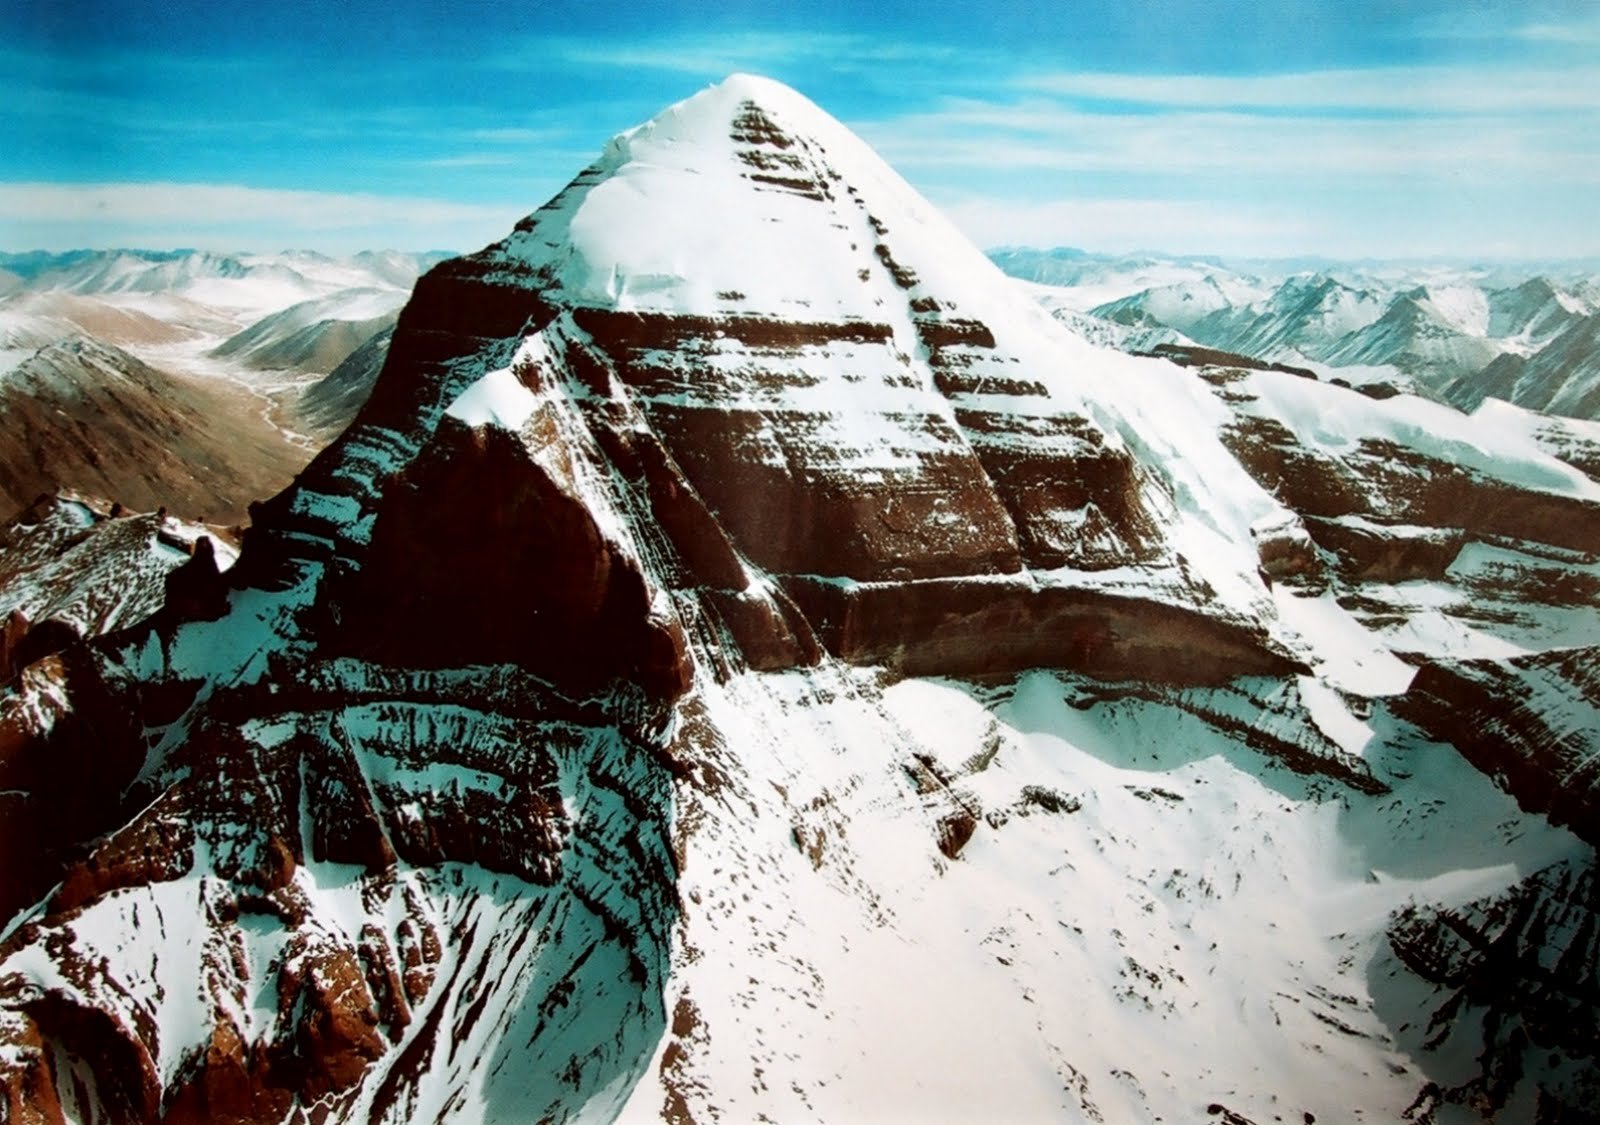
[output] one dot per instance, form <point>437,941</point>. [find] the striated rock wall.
<point>965,627</point>
<point>1530,722</point>
<point>1516,984</point>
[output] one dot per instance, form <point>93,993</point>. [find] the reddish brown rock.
<point>27,1087</point>
<point>337,1035</point>
<point>155,848</point>
<point>938,518</point>
<point>68,749</point>
<point>1369,552</point>
<point>767,627</point>
<point>999,627</point>
<point>1289,554</point>
<point>231,1083</point>
<point>1076,502</point>
<point>382,970</point>
<point>109,1061</point>
<point>420,952</point>
<point>12,631</point>
<point>1531,722</point>
<point>781,487</point>
<point>1393,484</point>
<point>520,573</point>
<point>196,591</point>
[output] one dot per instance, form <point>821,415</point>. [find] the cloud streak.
<point>721,53</point>
<point>230,216</point>
<point>1288,148</point>
<point>1414,90</point>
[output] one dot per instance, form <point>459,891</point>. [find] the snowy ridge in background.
<point>1522,333</point>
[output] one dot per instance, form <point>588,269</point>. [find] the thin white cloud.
<point>517,135</point>
<point>722,53</point>
<point>474,160</point>
<point>1436,90</point>
<point>1044,136</point>
<point>1579,32</point>
<point>47,215</point>
<point>223,203</point>
<point>1414,160</point>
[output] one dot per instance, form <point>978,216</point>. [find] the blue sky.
<point>1347,128</point>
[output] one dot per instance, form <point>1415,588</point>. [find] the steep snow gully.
<point>746,661</point>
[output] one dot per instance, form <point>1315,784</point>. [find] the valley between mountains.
<point>730,651</point>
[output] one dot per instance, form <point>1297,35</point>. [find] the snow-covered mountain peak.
<point>1465,308</point>
<point>709,117</point>
<point>743,199</point>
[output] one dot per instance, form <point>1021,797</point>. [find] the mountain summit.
<point>746,660</point>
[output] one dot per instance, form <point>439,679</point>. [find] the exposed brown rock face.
<point>1532,723</point>
<point>1369,552</point>
<point>1395,484</point>
<point>974,628</point>
<point>780,482</point>
<point>67,751</point>
<point>514,574</point>
<point>12,632</point>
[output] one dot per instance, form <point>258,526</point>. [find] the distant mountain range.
<point>1460,334</point>
<point>184,377</point>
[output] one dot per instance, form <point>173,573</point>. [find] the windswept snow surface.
<point>1149,918</point>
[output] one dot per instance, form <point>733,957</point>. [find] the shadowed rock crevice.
<point>519,573</point>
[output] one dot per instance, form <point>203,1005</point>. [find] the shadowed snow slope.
<point>747,660</point>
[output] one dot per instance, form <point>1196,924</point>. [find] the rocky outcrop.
<point>971,627</point>
<point>519,573</point>
<point>1530,722</point>
<point>1387,482</point>
<point>75,566</point>
<point>1520,969</point>
<point>1368,551</point>
<point>69,747</point>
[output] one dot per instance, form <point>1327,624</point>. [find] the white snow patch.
<point>498,399</point>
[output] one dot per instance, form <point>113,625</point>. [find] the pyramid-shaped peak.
<point>745,108</point>
<point>745,198</point>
